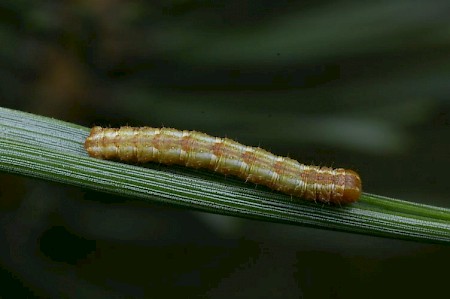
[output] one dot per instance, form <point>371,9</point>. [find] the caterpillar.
<point>226,156</point>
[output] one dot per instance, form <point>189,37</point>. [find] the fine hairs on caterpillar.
<point>223,155</point>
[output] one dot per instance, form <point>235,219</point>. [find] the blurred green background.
<point>345,84</point>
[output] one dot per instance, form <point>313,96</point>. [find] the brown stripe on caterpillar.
<point>223,155</point>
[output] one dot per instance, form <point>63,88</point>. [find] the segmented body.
<point>223,155</point>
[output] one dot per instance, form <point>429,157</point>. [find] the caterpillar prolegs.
<point>223,155</point>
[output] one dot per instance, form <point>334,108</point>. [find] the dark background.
<point>349,84</point>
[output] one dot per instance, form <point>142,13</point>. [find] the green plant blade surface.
<point>50,149</point>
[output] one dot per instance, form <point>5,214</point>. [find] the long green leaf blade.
<point>53,150</point>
